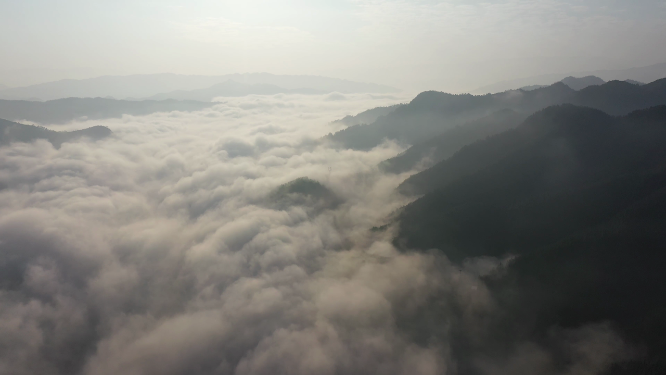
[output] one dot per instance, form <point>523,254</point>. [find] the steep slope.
<point>15,132</point>
<point>479,155</point>
<point>443,146</point>
<point>431,113</point>
<point>561,154</point>
<point>580,197</point>
<point>64,110</point>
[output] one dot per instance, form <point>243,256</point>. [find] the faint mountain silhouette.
<point>641,74</point>
<point>146,85</point>
<point>231,89</point>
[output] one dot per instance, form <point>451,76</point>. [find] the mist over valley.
<point>333,188</point>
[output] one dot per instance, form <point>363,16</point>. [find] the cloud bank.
<point>153,252</point>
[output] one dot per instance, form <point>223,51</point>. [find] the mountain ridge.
<point>443,146</point>
<point>641,74</point>
<point>432,112</point>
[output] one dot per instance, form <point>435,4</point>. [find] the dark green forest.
<point>567,186</point>
<point>577,198</point>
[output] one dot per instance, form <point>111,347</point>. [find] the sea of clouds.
<point>154,252</point>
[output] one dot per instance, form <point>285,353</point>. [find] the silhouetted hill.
<point>582,82</point>
<point>369,116</point>
<point>432,113</point>
<point>15,132</point>
<point>303,192</point>
<point>580,197</point>
<point>443,146</point>
<point>231,89</point>
<point>64,110</point>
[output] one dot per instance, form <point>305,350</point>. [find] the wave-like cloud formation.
<point>154,252</point>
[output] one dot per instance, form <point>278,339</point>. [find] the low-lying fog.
<point>157,251</point>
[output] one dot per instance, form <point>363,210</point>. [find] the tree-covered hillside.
<point>578,198</point>
<point>431,113</point>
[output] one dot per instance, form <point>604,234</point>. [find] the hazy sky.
<point>443,44</point>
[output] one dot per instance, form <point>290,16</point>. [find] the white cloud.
<point>151,252</point>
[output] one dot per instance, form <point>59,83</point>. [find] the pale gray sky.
<point>450,45</point>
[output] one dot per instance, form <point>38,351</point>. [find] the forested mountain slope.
<point>446,144</point>
<point>431,113</point>
<point>578,197</point>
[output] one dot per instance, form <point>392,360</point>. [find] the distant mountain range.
<point>430,113</point>
<point>579,83</point>
<point>64,110</point>
<point>640,74</point>
<point>14,132</point>
<point>148,85</point>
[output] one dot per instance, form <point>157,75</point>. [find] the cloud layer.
<point>153,252</point>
